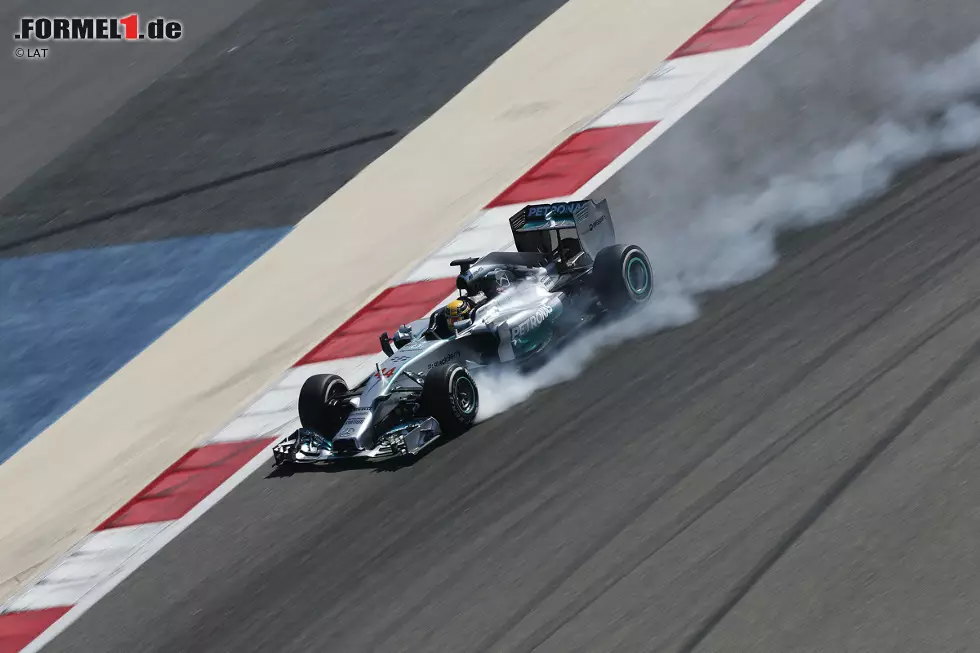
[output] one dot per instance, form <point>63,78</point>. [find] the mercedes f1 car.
<point>512,309</point>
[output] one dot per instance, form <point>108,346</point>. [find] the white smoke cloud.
<point>730,240</point>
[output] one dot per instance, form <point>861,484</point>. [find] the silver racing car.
<point>513,309</point>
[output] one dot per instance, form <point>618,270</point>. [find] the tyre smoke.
<point>724,241</point>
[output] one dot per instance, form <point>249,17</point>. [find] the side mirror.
<point>462,325</point>
<point>403,336</point>
<point>464,263</point>
<point>386,345</point>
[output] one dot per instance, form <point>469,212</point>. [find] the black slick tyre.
<point>623,276</point>
<point>317,410</point>
<point>449,394</point>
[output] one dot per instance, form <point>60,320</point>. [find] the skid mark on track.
<point>722,490</point>
<point>170,196</point>
<point>915,288</point>
<point>836,489</point>
<point>713,374</point>
<point>836,249</point>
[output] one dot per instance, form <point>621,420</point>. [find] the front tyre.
<point>449,395</point>
<point>317,409</point>
<point>623,276</point>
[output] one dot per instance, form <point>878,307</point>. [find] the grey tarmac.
<point>791,472</point>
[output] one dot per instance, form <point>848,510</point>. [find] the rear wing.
<point>590,220</point>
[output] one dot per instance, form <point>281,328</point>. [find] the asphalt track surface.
<point>251,127</point>
<point>51,103</point>
<point>793,471</point>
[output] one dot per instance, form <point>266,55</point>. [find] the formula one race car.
<point>513,308</point>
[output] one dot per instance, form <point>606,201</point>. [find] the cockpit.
<point>439,327</point>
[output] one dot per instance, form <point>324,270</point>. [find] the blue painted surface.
<point>69,320</point>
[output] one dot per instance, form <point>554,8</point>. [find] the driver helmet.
<point>457,311</point>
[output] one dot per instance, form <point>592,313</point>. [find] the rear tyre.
<point>450,395</point>
<point>623,276</point>
<point>317,409</point>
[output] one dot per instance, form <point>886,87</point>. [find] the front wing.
<point>304,446</point>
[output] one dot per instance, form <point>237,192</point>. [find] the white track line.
<point>146,550</point>
<point>91,563</point>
